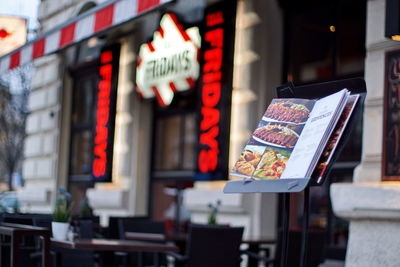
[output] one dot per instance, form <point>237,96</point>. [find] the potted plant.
<point>61,215</point>
<point>213,211</point>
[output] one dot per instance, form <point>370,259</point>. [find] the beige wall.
<point>372,207</point>
<point>41,167</point>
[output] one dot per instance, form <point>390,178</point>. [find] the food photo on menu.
<point>334,139</point>
<point>270,145</point>
<point>293,136</point>
<point>289,110</point>
<point>272,164</point>
<point>248,161</point>
<point>277,134</point>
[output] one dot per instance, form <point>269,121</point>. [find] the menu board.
<point>391,125</point>
<point>262,165</point>
<point>291,137</point>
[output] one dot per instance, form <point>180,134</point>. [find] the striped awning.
<point>93,21</point>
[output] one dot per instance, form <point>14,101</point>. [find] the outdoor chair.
<point>18,220</point>
<point>113,231</point>
<point>30,246</point>
<point>85,229</point>
<point>211,246</point>
<point>140,225</point>
<point>44,222</point>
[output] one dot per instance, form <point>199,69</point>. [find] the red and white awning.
<point>78,29</point>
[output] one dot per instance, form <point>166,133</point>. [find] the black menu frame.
<point>312,91</point>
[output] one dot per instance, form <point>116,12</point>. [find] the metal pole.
<point>306,219</point>
<point>285,229</point>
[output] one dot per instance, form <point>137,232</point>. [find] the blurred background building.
<point>154,149</point>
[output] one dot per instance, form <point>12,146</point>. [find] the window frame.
<point>184,104</point>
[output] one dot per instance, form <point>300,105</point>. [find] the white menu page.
<point>314,136</point>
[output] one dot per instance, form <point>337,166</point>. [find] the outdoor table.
<point>145,236</point>
<point>112,245</point>
<point>17,232</point>
<point>180,237</point>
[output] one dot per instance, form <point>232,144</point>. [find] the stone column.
<point>256,74</point>
<point>372,207</point>
<point>128,193</point>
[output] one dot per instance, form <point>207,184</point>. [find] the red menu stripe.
<point>67,35</point>
<point>104,18</point>
<point>15,59</point>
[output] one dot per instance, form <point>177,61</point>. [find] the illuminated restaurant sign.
<point>215,92</point>
<point>105,116</point>
<point>169,63</point>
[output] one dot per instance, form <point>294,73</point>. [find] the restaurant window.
<point>325,41</point>
<point>174,151</point>
<point>85,76</point>
<point>175,137</point>
<point>82,123</point>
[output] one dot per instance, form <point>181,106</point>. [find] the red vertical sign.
<point>105,116</point>
<point>215,91</point>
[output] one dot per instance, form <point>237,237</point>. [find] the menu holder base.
<point>292,185</point>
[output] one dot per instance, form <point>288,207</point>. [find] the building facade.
<point>336,40</point>
<point>55,149</point>
<point>368,203</point>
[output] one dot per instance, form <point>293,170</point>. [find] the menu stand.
<point>285,230</point>
<point>306,219</point>
<point>288,186</point>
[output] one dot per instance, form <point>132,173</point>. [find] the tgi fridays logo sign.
<point>105,115</point>
<point>216,91</point>
<point>169,63</point>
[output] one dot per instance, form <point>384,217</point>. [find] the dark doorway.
<point>325,41</point>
